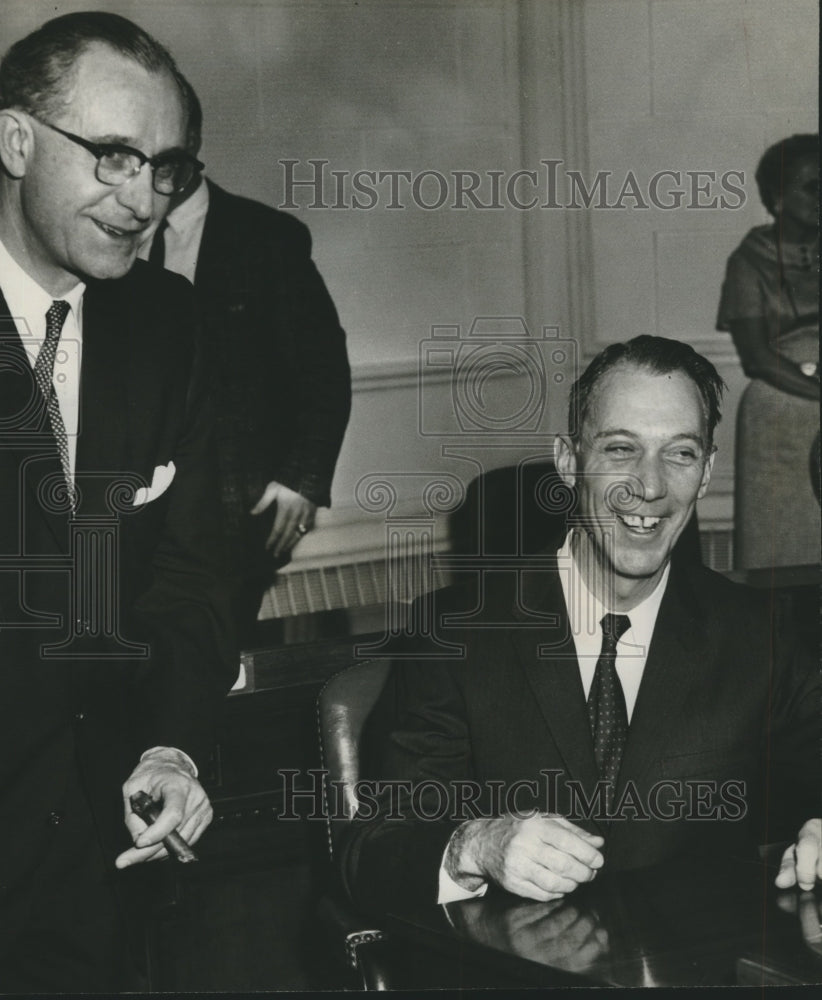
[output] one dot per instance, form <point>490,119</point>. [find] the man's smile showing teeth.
<point>113,230</point>
<point>638,523</point>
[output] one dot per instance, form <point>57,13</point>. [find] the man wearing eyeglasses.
<point>114,648</point>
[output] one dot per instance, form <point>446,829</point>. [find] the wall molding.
<point>403,373</point>
<point>393,373</point>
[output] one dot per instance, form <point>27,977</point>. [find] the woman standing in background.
<point>770,306</point>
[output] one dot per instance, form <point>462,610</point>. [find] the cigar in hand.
<point>148,810</point>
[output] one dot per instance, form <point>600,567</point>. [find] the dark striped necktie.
<point>606,704</point>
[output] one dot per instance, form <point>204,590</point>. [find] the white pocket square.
<point>160,482</point>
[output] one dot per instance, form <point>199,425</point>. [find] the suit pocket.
<point>730,762</point>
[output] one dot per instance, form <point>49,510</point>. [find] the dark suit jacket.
<point>725,696</point>
<point>78,716</point>
<point>282,379</point>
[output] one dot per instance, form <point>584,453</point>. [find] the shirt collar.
<point>27,300</point>
<point>188,212</point>
<point>585,609</point>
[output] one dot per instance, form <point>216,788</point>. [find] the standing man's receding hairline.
<point>34,71</point>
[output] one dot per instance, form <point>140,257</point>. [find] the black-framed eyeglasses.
<point>171,172</point>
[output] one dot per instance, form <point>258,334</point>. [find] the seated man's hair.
<point>37,72</point>
<point>660,356</point>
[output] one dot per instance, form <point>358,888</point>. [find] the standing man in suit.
<point>614,707</point>
<point>282,382</point>
<point>115,652</point>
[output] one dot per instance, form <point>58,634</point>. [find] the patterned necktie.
<point>606,704</point>
<point>157,253</point>
<point>43,376</point>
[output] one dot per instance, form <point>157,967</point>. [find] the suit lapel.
<point>211,256</point>
<point>27,437</point>
<point>103,395</point>
<point>677,649</point>
<point>548,657</point>
<point>671,670</point>
<point>23,409</point>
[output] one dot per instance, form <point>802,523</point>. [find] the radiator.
<point>366,582</point>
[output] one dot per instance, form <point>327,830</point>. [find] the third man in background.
<point>278,356</point>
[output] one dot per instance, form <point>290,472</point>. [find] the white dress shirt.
<point>183,235</point>
<point>585,613</point>
<point>28,304</point>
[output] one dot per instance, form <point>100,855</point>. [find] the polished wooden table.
<point>699,923</point>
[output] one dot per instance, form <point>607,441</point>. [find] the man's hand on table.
<point>801,866</point>
<point>542,857</point>
<point>802,862</point>
<point>168,776</point>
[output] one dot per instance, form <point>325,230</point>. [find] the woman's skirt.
<point>776,512</point>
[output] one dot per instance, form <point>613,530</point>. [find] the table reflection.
<point>684,924</point>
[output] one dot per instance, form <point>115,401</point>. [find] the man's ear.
<point>565,458</point>
<point>706,475</point>
<point>16,141</point>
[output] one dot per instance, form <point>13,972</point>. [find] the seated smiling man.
<point>612,706</point>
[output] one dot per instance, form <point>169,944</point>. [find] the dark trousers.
<point>66,931</point>
<point>247,592</point>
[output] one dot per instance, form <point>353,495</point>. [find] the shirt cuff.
<point>185,757</point>
<point>451,892</point>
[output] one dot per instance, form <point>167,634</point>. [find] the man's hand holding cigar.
<point>168,777</point>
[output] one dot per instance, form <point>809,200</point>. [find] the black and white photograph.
<point>410,527</point>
